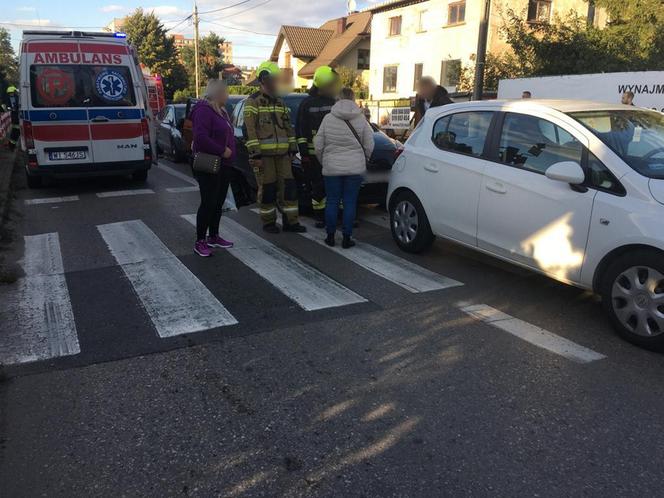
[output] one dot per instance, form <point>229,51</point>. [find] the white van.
<point>83,106</point>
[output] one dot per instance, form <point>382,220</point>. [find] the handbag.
<point>206,163</point>
<point>357,137</point>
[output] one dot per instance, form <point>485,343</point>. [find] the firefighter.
<point>14,132</point>
<point>271,145</point>
<point>322,96</point>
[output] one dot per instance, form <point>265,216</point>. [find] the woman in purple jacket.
<point>213,134</point>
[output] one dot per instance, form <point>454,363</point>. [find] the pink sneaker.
<point>216,241</point>
<point>202,249</point>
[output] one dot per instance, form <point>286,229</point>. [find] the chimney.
<point>341,25</point>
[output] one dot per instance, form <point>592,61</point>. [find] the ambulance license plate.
<point>68,155</point>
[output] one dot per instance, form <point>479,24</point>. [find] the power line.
<point>243,11</point>
<point>225,8</point>
<point>238,29</point>
<point>181,22</point>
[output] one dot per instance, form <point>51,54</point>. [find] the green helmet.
<point>12,89</point>
<point>269,67</point>
<point>324,76</point>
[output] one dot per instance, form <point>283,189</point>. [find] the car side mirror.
<point>566,171</point>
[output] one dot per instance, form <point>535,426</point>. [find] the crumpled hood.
<point>657,189</point>
<point>346,109</point>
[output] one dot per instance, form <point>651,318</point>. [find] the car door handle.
<point>100,119</point>
<point>431,167</point>
<point>497,188</point>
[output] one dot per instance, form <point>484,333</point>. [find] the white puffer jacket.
<point>337,148</point>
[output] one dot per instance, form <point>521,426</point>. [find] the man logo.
<point>127,146</point>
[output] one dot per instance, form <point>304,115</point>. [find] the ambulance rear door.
<point>118,125</point>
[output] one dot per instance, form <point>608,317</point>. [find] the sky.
<point>251,26</point>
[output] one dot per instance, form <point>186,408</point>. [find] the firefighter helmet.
<point>268,69</point>
<point>324,76</point>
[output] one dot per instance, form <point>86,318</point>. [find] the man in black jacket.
<point>429,95</point>
<point>322,96</point>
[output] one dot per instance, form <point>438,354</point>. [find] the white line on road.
<point>37,311</point>
<point>176,301</point>
<point>51,200</point>
<point>178,174</point>
<point>532,334</point>
<point>178,190</point>
<point>122,193</point>
<point>397,270</point>
<point>305,285</point>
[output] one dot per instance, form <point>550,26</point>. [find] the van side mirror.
<point>566,171</point>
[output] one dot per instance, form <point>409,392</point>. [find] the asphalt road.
<point>132,367</point>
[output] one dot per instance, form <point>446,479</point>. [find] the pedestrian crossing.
<point>176,302</point>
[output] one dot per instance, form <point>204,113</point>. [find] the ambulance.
<point>84,107</point>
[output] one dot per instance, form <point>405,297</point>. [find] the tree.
<point>211,58</point>
<point>8,61</point>
<point>353,79</point>
<point>156,50</point>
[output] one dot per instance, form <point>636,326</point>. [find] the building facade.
<point>415,38</point>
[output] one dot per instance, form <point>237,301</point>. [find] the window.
<point>464,132</point>
<point>81,86</point>
<point>637,136</point>
<point>599,177</point>
<point>535,144</point>
<point>422,21</point>
<point>390,79</point>
<point>456,13</point>
<point>395,26</point>
<point>363,58</point>
<point>539,10</point>
<point>450,72</point>
<point>419,68</point>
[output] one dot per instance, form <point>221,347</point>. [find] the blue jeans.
<point>338,188</point>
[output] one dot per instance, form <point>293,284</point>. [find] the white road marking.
<point>176,301</point>
<point>178,174</point>
<point>305,285</point>
<point>51,200</point>
<point>123,193</point>
<point>178,190</point>
<point>397,270</point>
<point>38,307</point>
<point>532,334</point>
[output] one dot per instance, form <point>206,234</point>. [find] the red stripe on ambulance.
<point>116,131</point>
<point>103,48</point>
<point>36,47</point>
<point>58,133</point>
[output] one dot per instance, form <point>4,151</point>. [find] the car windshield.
<point>637,136</point>
<point>179,112</point>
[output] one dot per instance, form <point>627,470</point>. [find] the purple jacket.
<point>212,132</point>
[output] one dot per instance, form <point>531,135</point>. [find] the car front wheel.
<point>409,223</point>
<point>633,295</point>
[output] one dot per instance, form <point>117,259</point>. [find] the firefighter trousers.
<point>277,189</point>
<point>314,174</point>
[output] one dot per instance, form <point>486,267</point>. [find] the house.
<point>342,42</point>
<point>414,38</point>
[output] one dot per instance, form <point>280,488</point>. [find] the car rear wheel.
<point>33,181</point>
<point>633,295</point>
<point>409,223</point>
<point>140,176</point>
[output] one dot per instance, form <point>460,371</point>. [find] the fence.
<point>5,124</point>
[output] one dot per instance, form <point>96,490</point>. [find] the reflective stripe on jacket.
<point>268,126</point>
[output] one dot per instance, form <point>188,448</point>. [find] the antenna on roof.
<point>352,6</point>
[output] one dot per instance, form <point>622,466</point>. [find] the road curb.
<point>8,161</point>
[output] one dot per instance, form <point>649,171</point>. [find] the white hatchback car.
<point>572,189</point>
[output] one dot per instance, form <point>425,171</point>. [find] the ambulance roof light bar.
<point>76,34</point>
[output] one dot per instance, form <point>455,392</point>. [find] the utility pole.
<point>480,62</point>
<point>196,54</point>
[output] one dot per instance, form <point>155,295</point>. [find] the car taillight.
<point>146,131</point>
<point>28,135</point>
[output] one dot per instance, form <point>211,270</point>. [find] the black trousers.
<point>213,190</point>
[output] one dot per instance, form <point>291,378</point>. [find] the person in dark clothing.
<point>322,96</point>
<point>213,134</point>
<point>429,95</point>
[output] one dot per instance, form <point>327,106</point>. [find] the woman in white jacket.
<point>343,144</point>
